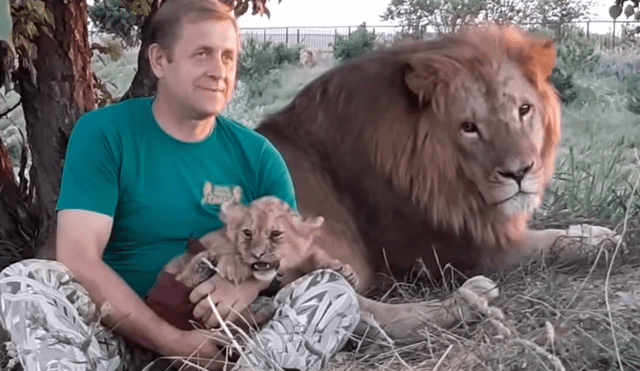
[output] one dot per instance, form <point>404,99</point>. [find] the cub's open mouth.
<point>263,266</point>
<point>264,271</point>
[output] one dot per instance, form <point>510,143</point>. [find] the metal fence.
<point>319,38</point>
<point>607,35</point>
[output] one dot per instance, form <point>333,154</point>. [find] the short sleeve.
<point>274,177</point>
<point>91,167</point>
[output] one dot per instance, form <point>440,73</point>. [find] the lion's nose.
<point>516,175</point>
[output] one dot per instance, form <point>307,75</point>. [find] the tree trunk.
<point>62,91</point>
<point>144,81</point>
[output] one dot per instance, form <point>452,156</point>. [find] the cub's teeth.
<point>265,275</point>
<point>261,266</point>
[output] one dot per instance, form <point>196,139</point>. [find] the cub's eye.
<point>469,127</point>
<point>246,233</point>
<point>524,109</point>
<point>274,235</point>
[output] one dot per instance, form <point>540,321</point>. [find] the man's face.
<point>200,78</point>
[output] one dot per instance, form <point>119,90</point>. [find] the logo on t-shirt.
<point>217,194</point>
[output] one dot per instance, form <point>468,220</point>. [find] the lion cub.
<point>265,239</point>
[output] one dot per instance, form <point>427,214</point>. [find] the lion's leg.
<point>564,243</point>
<point>402,321</point>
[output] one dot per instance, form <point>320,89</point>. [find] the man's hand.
<point>230,300</point>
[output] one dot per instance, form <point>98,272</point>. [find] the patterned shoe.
<point>314,318</point>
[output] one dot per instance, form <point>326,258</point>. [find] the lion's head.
<point>487,134</point>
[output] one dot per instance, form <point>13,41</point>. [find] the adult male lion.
<point>438,151</point>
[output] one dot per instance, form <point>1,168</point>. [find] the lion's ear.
<point>421,77</point>
<point>544,56</point>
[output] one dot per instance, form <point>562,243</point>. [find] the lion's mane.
<point>353,139</point>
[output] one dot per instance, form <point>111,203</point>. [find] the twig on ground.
<point>442,358</point>
<point>555,361</point>
<point>226,330</point>
<point>613,257</point>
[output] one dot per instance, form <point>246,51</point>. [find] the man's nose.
<point>216,68</point>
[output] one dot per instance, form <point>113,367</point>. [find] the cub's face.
<point>267,232</point>
<point>497,129</point>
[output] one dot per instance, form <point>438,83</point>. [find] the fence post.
<point>588,23</point>
<point>286,36</point>
<point>335,37</point>
<point>264,38</point>
<point>349,30</point>
<point>613,35</point>
<point>298,36</point>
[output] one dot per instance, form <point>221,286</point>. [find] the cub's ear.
<point>315,223</point>
<point>231,212</point>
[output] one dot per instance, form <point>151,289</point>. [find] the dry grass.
<point>557,319</point>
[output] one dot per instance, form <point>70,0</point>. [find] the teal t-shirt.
<point>161,191</point>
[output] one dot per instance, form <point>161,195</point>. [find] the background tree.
<point>115,18</point>
<point>443,15</point>
<point>447,15</point>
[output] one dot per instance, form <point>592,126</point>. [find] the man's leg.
<point>52,322</point>
<point>314,318</point>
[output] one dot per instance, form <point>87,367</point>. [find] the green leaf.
<point>38,6</point>
<point>241,8</point>
<point>31,29</point>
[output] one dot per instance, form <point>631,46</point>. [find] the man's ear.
<point>157,59</point>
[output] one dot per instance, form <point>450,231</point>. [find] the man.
<point>140,179</point>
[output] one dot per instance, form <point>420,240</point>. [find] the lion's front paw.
<point>477,292</point>
<point>592,235</point>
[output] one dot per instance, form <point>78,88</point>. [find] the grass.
<point>578,314</point>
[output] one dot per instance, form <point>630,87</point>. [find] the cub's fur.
<point>265,237</point>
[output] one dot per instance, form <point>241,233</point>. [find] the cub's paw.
<point>349,274</point>
<point>233,270</point>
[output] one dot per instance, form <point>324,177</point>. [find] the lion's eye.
<point>524,109</point>
<point>274,235</point>
<point>469,127</point>
<point>246,233</point>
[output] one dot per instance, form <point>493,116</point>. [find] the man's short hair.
<point>166,24</point>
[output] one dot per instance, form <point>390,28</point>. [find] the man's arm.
<point>82,237</point>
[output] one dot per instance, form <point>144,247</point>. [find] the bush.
<point>633,91</point>
<point>576,55</point>
<point>357,43</point>
<point>114,18</point>
<point>258,61</point>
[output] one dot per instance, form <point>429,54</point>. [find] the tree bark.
<point>62,91</point>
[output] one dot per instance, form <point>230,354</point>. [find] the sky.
<point>342,13</point>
